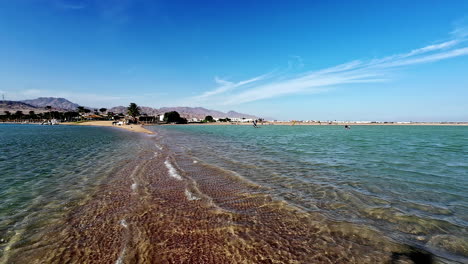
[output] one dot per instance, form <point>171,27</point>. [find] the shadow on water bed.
<point>417,256</point>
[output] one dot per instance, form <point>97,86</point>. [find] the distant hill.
<point>57,103</point>
<point>14,106</point>
<point>234,114</point>
<point>187,112</point>
<point>61,104</point>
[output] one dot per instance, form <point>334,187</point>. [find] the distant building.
<point>160,117</point>
<point>243,120</point>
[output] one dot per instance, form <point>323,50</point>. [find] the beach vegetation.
<point>133,110</point>
<point>209,119</point>
<point>227,119</point>
<point>174,117</point>
<point>71,115</point>
<point>32,115</point>
<point>48,108</point>
<point>19,114</point>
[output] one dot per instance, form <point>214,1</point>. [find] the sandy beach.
<point>133,127</point>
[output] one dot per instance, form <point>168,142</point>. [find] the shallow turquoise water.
<point>410,182</point>
<point>47,170</point>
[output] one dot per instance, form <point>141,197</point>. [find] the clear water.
<point>47,170</point>
<point>218,194</point>
<point>410,182</point>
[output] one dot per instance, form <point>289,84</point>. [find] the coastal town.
<point>70,113</point>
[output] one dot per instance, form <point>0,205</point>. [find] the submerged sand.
<point>163,207</point>
<point>133,128</point>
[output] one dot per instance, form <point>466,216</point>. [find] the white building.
<point>243,120</point>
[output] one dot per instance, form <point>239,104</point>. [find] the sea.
<point>234,194</point>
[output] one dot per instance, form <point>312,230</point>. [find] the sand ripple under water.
<point>165,208</point>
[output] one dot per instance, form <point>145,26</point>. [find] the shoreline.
<point>133,127</point>
<point>332,124</point>
<point>140,128</point>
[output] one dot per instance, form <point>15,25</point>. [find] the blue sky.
<point>327,60</point>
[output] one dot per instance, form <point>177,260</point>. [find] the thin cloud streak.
<point>281,84</point>
<point>226,85</point>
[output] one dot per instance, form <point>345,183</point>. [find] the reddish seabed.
<point>161,207</point>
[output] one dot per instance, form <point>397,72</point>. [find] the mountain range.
<point>187,112</point>
<point>57,103</point>
<point>61,104</point>
<point>14,106</point>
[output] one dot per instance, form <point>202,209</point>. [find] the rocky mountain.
<point>187,112</point>
<point>143,109</point>
<point>234,114</point>
<point>56,103</point>
<point>61,104</point>
<point>14,106</point>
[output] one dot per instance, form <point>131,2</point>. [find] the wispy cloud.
<point>295,62</point>
<point>461,28</point>
<point>70,5</point>
<point>359,71</point>
<point>226,86</point>
<point>116,12</point>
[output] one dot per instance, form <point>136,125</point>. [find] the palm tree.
<point>19,114</point>
<point>133,110</point>
<point>110,115</point>
<point>48,109</point>
<point>7,114</point>
<point>32,115</point>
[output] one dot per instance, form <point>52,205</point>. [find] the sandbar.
<point>132,127</point>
